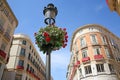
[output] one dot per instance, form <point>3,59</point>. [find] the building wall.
<point>95,52</point>
<point>114,5</point>
<point>8,23</point>
<point>25,61</point>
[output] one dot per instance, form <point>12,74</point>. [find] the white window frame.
<point>24,42</point>
<point>104,39</point>
<point>88,69</point>
<point>111,68</point>
<point>3,46</point>
<point>100,68</point>
<point>84,53</point>
<point>82,42</point>
<point>21,63</point>
<point>93,39</point>
<point>107,52</point>
<point>96,49</point>
<point>22,51</point>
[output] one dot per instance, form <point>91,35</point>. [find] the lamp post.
<point>50,13</point>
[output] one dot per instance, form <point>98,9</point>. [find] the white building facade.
<point>25,62</point>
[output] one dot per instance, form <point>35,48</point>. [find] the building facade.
<point>25,62</point>
<point>8,23</point>
<point>95,54</point>
<point>114,5</point>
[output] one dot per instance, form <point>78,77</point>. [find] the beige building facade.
<point>95,54</point>
<point>114,5</point>
<point>8,23</point>
<point>25,62</point>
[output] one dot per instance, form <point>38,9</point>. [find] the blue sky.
<point>71,15</point>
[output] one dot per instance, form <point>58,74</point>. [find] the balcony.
<point>1,29</point>
<point>20,67</point>
<point>85,59</point>
<point>78,63</point>
<point>3,54</point>
<point>7,36</point>
<point>98,57</point>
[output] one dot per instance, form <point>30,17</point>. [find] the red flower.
<point>65,33</point>
<point>64,45</point>
<point>66,36</point>
<point>64,29</point>
<point>47,39</point>
<point>45,34</point>
<point>66,40</point>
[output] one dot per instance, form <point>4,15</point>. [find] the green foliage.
<point>51,38</point>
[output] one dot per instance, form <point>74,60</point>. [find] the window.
<point>111,68</point>
<point>22,52</point>
<point>88,69</point>
<point>28,66</point>
<point>3,46</point>
<point>24,42</point>
<point>91,29</point>
<point>29,56</point>
<point>97,51</point>
<point>8,30</point>
<point>18,77</point>
<point>2,21</point>
<point>107,53</point>
<point>21,63</point>
<point>112,42</point>
<point>82,42</point>
<point>1,24</point>
<point>84,53</point>
<point>104,40</point>
<point>100,67</point>
<point>93,39</point>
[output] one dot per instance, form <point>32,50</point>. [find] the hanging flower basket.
<point>51,38</point>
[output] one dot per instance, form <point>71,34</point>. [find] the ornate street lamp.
<point>50,13</point>
<point>51,37</point>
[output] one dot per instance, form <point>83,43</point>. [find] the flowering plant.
<point>51,38</point>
